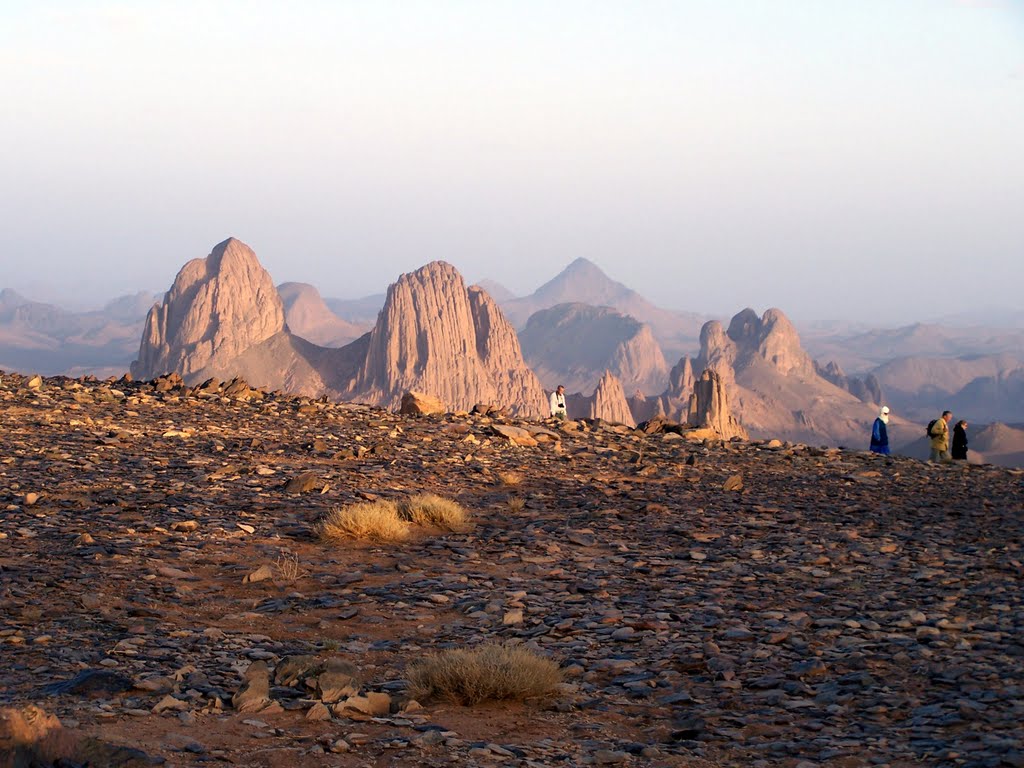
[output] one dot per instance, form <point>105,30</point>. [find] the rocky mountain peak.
<point>11,298</point>
<point>745,327</point>
<point>582,281</point>
<point>750,339</point>
<point>308,316</point>
<point>573,343</point>
<point>680,378</point>
<point>583,267</point>
<point>433,325</point>
<point>780,345</point>
<point>718,350</point>
<point>218,307</point>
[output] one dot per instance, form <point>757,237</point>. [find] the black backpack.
<point>928,429</point>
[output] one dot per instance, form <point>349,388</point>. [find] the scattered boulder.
<point>338,681</point>
<point>91,682</point>
<point>515,435</point>
<point>420,404</point>
<point>293,670</point>
<point>262,573</point>
<point>733,483</point>
<point>304,483</point>
<point>31,737</point>
<point>24,725</point>
<point>372,704</point>
<point>254,694</point>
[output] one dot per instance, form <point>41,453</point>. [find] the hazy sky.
<point>861,159</point>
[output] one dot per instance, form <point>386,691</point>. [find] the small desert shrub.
<point>374,520</point>
<point>493,671</point>
<point>515,504</point>
<point>429,509</point>
<point>288,569</point>
<point>511,479</point>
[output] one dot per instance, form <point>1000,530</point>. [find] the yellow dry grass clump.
<point>374,520</point>
<point>490,672</point>
<point>510,478</point>
<point>430,509</point>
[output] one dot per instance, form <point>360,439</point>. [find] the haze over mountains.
<point>583,282</point>
<point>626,359</point>
<point>35,336</point>
<point>573,344</point>
<point>309,317</point>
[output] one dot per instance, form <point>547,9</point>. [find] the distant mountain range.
<point>309,316</point>
<point>866,350</point>
<point>582,282</point>
<point>573,344</point>
<point>581,329</point>
<point>44,338</point>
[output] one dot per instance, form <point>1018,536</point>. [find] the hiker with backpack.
<point>938,433</point>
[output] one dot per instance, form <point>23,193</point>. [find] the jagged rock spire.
<point>436,336</point>
<point>709,407</point>
<point>609,401</point>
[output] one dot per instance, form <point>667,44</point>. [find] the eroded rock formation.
<point>709,407</point>
<point>674,402</point>
<point>224,318</point>
<point>436,336</point>
<point>770,340</point>
<point>774,387</point>
<point>218,308</point>
<point>609,401</point>
<point>573,344</point>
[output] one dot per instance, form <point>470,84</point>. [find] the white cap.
<point>885,409</point>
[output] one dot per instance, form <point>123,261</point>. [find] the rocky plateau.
<point>711,603</point>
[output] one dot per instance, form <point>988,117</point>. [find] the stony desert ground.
<point>710,604</point>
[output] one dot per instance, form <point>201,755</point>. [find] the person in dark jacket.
<point>959,450</point>
<point>880,433</point>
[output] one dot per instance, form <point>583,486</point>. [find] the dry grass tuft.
<point>374,520</point>
<point>288,569</point>
<point>491,672</point>
<point>511,479</point>
<point>429,509</point>
<point>515,504</point>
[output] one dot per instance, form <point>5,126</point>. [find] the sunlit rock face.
<point>218,307</point>
<point>437,336</point>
